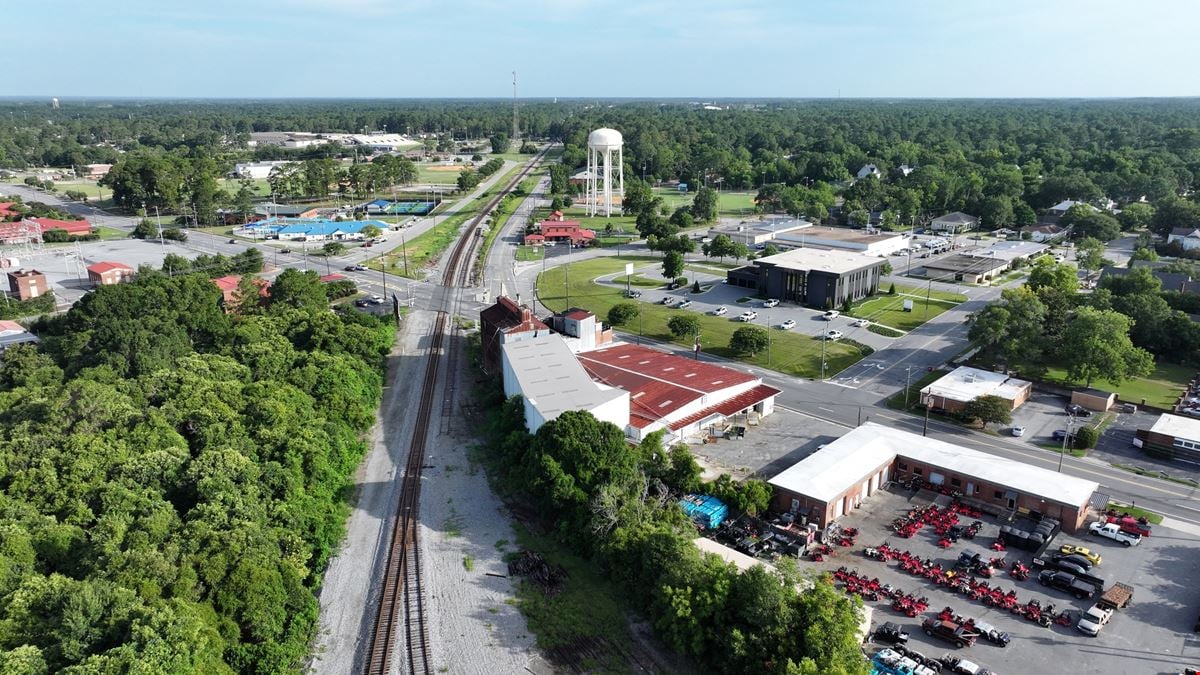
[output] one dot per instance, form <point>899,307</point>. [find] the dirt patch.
<point>458,167</point>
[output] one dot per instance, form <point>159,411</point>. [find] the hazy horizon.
<point>604,50</point>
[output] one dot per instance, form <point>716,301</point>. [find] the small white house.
<point>1188,237</point>
<point>953,223</point>
<point>869,170</point>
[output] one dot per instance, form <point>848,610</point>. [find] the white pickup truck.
<point>1113,531</point>
<point>1094,619</point>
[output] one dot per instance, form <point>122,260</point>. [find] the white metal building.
<point>549,378</point>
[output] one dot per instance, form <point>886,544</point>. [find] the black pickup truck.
<point>1071,565</point>
<point>1068,583</point>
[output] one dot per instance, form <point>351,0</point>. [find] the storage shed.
<point>1094,399</point>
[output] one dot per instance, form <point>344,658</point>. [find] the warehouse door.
<point>839,508</point>
<point>875,482</point>
<point>937,478</point>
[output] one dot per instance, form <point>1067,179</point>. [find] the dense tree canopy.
<point>172,477</point>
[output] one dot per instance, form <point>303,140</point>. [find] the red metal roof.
<point>578,314</point>
<point>658,383</point>
<point>6,209</point>
<point>534,237</point>
<point>102,267</point>
<point>71,226</point>
<point>731,407</point>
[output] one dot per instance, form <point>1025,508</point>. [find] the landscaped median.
<point>791,353</point>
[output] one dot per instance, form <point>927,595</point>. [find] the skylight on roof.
<point>665,403</point>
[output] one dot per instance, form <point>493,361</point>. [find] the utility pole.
<point>925,430</point>
<point>403,254</point>
<point>822,356</point>
<point>907,388</point>
<point>1070,424</point>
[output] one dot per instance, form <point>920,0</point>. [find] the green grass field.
<point>889,310</point>
<point>529,253</point>
<point>1159,389</point>
<point>426,173</point>
<point>934,294</point>
<point>728,203</point>
<point>791,353</point>
<point>110,233</point>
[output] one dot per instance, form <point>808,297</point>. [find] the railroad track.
<point>401,604</point>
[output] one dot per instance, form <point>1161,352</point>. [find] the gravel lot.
<point>474,628</point>
<point>1153,635</point>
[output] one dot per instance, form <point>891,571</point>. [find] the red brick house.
<point>567,231</point>
<point>109,273</point>
<point>228,285</point>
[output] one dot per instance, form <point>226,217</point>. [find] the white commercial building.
<point>868,242</point>
<point>255,170</point>
<point>547,375</point>
<point>837,478</point>
<point>965,384</point>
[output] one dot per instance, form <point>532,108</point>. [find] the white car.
<point>861,323</point>
<point>831,315</point>
<point>720,311</point>
<point>788,325</point>
<point>376,299</point>
<point>771,303</point>
<point>1018,431</point>
<point>833,334</point>
<point>748,316</point>
<point>668,300</point>
<point>685,303</point>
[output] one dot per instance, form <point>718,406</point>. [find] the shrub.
<point>892,289</point>
<point>1086,438</point>
<point>680,282</point>
<point>622,313</point>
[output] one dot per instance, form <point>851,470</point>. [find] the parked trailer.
<point>1116,597</point>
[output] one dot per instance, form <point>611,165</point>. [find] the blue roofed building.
<point>705,510</point>
<point>311,229</point>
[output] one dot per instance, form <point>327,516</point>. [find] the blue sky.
<point>700,49</point>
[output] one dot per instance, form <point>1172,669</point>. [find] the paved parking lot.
<point>1153,635</point>
<point>809,321</point>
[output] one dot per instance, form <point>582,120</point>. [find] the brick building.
<point>505,322</point>
<point>837,478</point>
<point>109,273</point>
<point>28,284</point>
<point>1173,435</point>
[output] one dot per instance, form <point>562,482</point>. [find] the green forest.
<point>173,479</point>
<point>1004,161</point>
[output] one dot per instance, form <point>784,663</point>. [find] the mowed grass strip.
<point>934,294</point>
<point>889,311</point>
<point>1160,388</point>
<point>791,353</point>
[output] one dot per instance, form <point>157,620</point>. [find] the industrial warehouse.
<point>639,389</point>
<point>839,477</point>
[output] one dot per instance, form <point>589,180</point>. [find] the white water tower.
<point>606,166</point>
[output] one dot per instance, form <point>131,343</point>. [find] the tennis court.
<point>409,208</point>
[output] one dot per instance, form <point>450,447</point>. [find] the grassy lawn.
<point>109,233</point>
<point>1136,512</point>
<point>791,353</point>
<point>1159,389</point>
<point>728,203</point>
<point>889,310</point>
<point>260,186</point>
<point>529,253</point>
<point>437,173</point>
<point>933,294</point>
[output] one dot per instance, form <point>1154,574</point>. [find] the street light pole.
<point>907,387</point>
<point>823,356</point>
